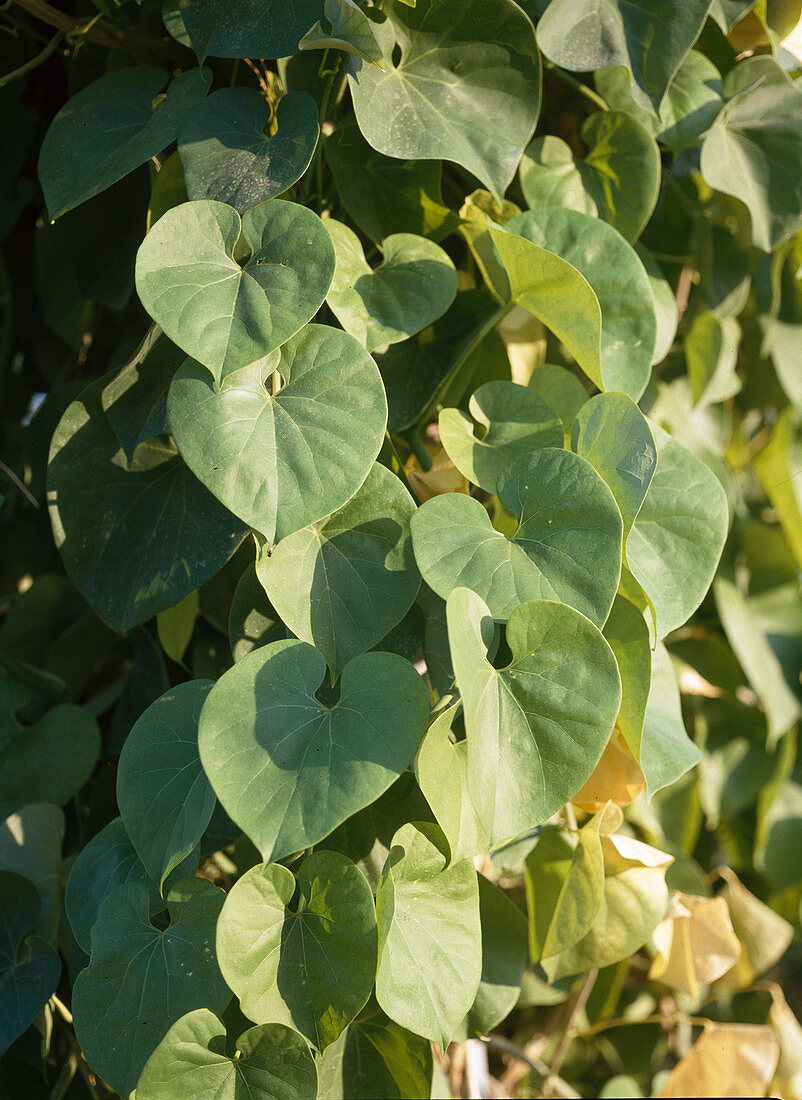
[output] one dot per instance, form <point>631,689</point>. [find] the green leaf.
<point>612,434</point>
<point>567,519</point>
<point>581,35</point>
<point>252,620</point>
<point>30,844</point>
<point>271,1061</point>
<point>510,421</point>
<point>375,1055</point>
<point>119,1001</point>
<point>383,195</point>
<point>344,27</point>
<point>778,466</point>
<point>263,728</point>
<point>535,729</point>
<point>564,878</point>
<point>111,127</point>
<point>711,353</point>
<point>29,967</point>
<point>752,150</point>
<point>414,285</point>
<point>627,633</point>
<point>165,799</point>
<point>285,459</point>
<point>430,950</point>
<point>665,304</point>
<point>616,275</point>
<point>665,751</point>
<point>228,156</point>
<point>110,860</point>
<point>442,770</point>
<point>634,902</point>
<point>679,532</point>
<point>303,953</point>
<point>135,537</point>
<point>247,28</point>
<point>175,626</point>
<point>225,314</point>
<point>410,111</point>
<point>49,760</point>
<point>561,390</point>
<point>757,658</point>
<point>343,583</point>
<point>504,959</point>
<point>688,108</point>
<point>618,180</point>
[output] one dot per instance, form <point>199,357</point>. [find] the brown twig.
<point>569,1032</point>
<point>22,488</point>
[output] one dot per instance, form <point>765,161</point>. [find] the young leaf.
<point>307,961</point>
<point>513,422</point>
<point>227,156</point>
<point>618,180</point>
<point>121,1012</point>
<point>224,313</point>
<point>135,537</point>
<point>111,127</point>
<point>346,28</point>
<point>567,518</point>
<point>430,951</point>
<point>165,799</point>
<point>285,459</point>
<point>264,729</point>
<point>29,967</point>
<point>619,282</point>
<point>535,729</point>
<point>414,285</point>
<point>592,34</point>
<point>271,1061</point>
<point>343,583</point>
<point>411,111</point>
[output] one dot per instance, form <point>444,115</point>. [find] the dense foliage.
<point>401,513</point>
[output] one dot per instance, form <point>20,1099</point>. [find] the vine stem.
<point>537,1065</point>
<point>35,62</point>
<point>569,1032</point>
<point>19,484</point>
<point>98,30</point>
<point>656,1018</point>
<point>577,85</point>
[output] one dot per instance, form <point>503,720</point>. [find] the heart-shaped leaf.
<point>415,284</point>
<point>504,959</point>
<point>121,1012</point>
<point>343,583</point>
<point>308,962</point>
<point>227,155</point>
<point>252,620</point>
<point>567,545</point>
<point>535,729</point>
<point>247,28</point>
<point>223,313</point>
<point>411,110</point>
<point>135,537</point>
<point>513,421</point>
<point>677,538</point>
<point>344,27</point>
<point>111,127</point>
<point>264,729</point>
<point>30,844</point>
<point>618,180</point>
<point>110,860</point>
<point>48,761</point>
<point>614,271</point>
<point>613,435</point>
<point>591,34</point>
<point>29,967</point>
<point>752,150</point>
<point>165,799</point>
<point>271,1061</point>
<point>430,945</point>
<point>665,751</point>
<point>284,459</point>
<point>628,635</point>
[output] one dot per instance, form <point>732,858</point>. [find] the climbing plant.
<point>400,621</point>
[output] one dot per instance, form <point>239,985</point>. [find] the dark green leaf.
<point>247,28</point>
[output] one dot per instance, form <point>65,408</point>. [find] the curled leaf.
<point>696,943</point>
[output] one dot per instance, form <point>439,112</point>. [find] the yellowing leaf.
<point>525,340</point>
<point>788,1075</point>
<point>726,1060</point>
<point>444,477</point>
<point>617,778</point>
<point>764,934</point>
<point>696,943</point>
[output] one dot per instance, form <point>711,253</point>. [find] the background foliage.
<point>400,621</point>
